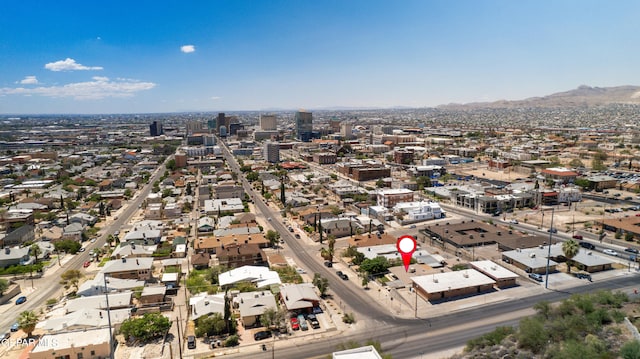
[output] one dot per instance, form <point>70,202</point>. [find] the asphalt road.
<point>48,286</point>
<point>404,338</point>
<point>410,338</point>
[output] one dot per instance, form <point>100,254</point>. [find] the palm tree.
<point>570,249</point>
<point>27,322</point>
<point>35,251</point>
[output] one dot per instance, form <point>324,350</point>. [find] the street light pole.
<point>546,283</point>
<point>106,295</point>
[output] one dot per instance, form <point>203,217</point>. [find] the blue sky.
<point>173,56</point>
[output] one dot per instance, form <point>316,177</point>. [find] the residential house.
<point>85,319</point>
<point>260,276</point>
<point>238,255</point>
<point>18,236</point>
<point>200,260</point>
<point>204,304</point>
<point>299,297</point>
<point>84,219</point>
<point>81,344</point>
<point>73,232</point>
<point>251,305</point>
<point>134,268</point>
<point>13,256</point>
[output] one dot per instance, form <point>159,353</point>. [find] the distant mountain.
<point>583,96</point>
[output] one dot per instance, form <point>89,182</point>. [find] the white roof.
<point>121,265</point>
<point>493,270</point>
<point>368,352</point>
<point>298,296</point>
<point>442,282</point>
<point>76,339</point>
<point>87,317</point>
<point>205,304</point>
<point>254,303</point>
<point>261,276</point>
<point>99,301</point>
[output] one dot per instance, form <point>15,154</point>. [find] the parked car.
<point>302,322</point>
<point>342,275</point>
<point>21,300</point>
<point>328,264</point>
<point>6,336</point>
<point>587,245</point>
<point>535,276</point>
<point>297,236</point>
<point>86,264</point>
<point>295,325</point>
<point>412,226</point>
<point>514,221</point>
<point>552,230</point>
<point>313,320</point>
<point>264,334</point>
<point>610,252</point>
<point>577,236</point>
<point>586,276</point>
<point>631,250</point>
<point>15,326</point>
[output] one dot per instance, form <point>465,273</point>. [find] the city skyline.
<point>139,57</point>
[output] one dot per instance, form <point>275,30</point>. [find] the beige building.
<point>84,344</point>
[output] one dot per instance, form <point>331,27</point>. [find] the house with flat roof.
<point>367,352</point>
<point>13,256</point>
<point>204,304</point>
<point>116,301</point>
<point>133,268</point>
<point>502,276</point>
<point>85,319</point>
<point>233,205</point>
<point>93,343</point>
<point>96,285</point>
<point>260,276</point>
<point>439,286</point>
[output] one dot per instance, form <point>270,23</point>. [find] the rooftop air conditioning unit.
<point>532,255</point>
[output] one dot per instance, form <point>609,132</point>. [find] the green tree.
<point>273,318</point>
<point>145,328</point>
<point>532,334</point>
<point>4,285</point>
<point>576,163</point>
<point>375,266</point>
<point>273,237</point>
<point>67,245</point>
<point>71,278</point>
<point>171,165</point>
<point>630,350</point>
<point>321,283</point>
<point>570,249</point>
<point>209,325</point>
<point>27,322</point>
<point>35,251</point>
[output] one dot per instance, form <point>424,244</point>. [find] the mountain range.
<point>583,96</point>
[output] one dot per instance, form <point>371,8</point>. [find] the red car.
<point>86,264</point>
<point>294,323</point>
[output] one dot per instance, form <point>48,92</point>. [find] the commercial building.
<point>155,128</point>
<point>268,123</point>
<point>271,152</point>
<point>304,125</point>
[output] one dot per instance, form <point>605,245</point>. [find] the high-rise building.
<point>268,123</point>
<point>304,125</point>
<point>346,131</point>
<point>155,128</point>
<point>212,125</point>
<point>271,152</point>
<point>194,127</point>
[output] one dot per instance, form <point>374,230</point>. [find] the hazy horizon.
<point>216,56</point>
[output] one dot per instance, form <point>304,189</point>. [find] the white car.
<point>610,252</point>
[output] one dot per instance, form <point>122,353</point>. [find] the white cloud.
<point>98,88</point>
<point>29,80</point>
<point>215,98</point>
<point>187,49</point>
<point>69,65</point>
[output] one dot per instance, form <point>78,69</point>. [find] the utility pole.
<point>546,283</point>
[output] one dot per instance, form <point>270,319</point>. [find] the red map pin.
<point>406,246</point>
